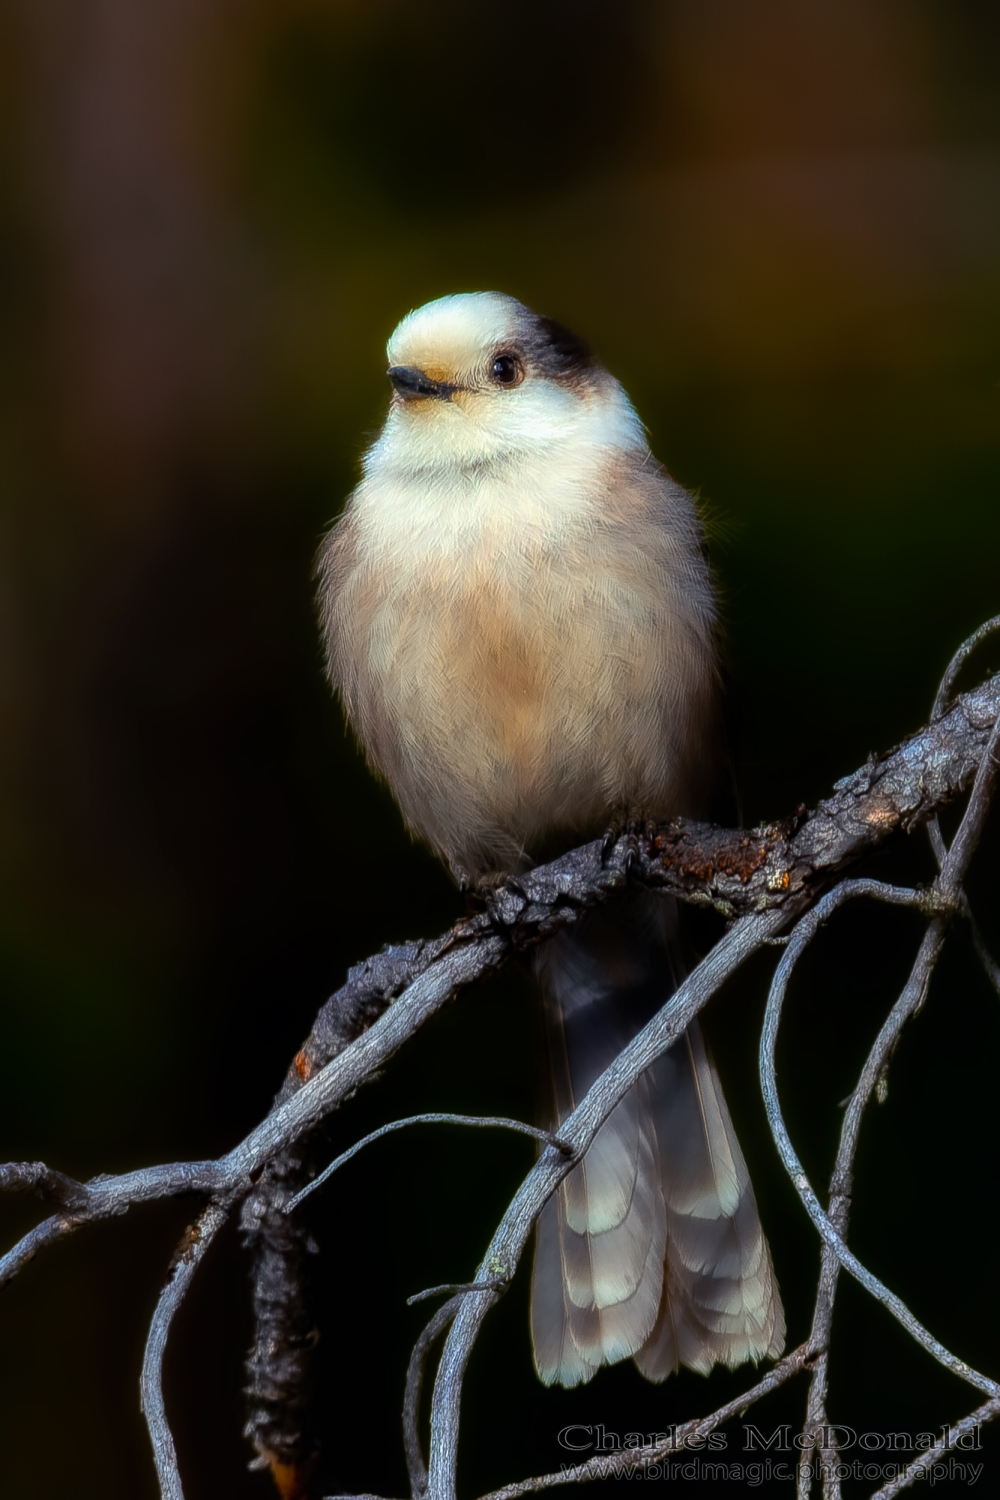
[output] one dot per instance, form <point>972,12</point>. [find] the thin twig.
<point>954,667</point>
<point>841,1188</point>
<point>608,1465</point>
<point>459,1288</point>
<point>816,1425</point>
<point>189,1255</point>
<point>500,1121</point>
<point>415,1465</point>
<point>909,1002</point>
<point>43,1234</point>
<point>958,661</point>
<point>924,1462</point>
<point>989,963</point>
<point>966,840</point>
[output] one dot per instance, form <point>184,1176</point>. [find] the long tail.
<point>651,1247</point>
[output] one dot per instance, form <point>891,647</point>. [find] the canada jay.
<point>520,619</point>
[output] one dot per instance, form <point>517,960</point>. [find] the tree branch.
<point>479,1121</point>
<point>187,1258</point>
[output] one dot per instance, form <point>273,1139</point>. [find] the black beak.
<point>413,384</point>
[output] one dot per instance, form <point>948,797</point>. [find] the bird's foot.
<point>633,826</point>
<point>501,896</point>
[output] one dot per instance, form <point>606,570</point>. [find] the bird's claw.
<point>634,828</point>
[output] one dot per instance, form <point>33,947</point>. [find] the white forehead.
<point>458,331</point>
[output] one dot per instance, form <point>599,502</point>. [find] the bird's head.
<point>478,376</point>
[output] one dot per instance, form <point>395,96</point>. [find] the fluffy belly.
<point>513,721</point>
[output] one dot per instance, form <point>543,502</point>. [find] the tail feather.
<point>601,1196</point>
<point>652,1247</point>
<point>605,1258</point>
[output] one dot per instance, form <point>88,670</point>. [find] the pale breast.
<point>521,660</point>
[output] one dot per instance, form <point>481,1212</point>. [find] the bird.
<point>519,616</point>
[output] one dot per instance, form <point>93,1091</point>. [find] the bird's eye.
<point>506,370</point>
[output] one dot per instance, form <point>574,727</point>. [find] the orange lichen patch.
<point>292,1480</point>
<point>743,863</point>
<point>189,1239</point>
<point>686,856</point>
<point>304,1065</point>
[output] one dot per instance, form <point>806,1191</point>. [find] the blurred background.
<point>779,225</point>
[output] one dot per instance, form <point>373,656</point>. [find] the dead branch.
<point>187,1257</point>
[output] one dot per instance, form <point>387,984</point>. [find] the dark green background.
<point>778,225</point>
